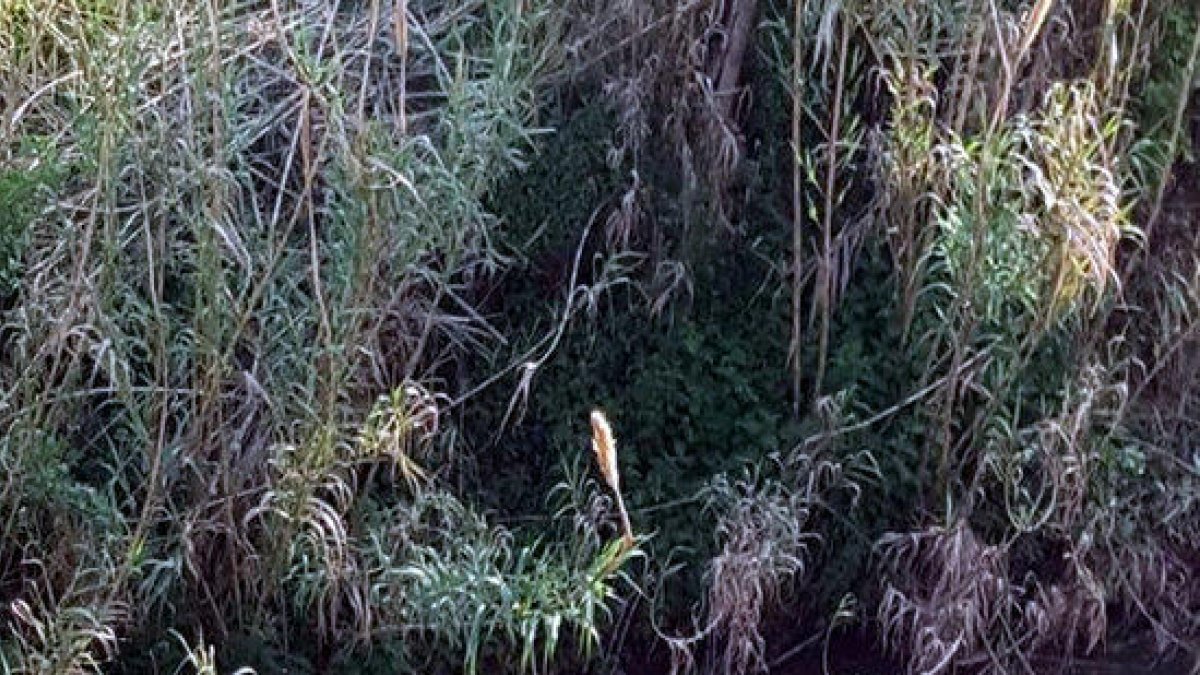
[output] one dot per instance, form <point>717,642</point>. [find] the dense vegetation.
<point>305,306</point>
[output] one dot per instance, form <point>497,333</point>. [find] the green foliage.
<point>545,206</point>
<point>433,578</point>
<point>46,469</point>
<point>538,603</point>
<point>1154,108</point>
<point>690,399</point>
<point>692,392</point>
<point>23,195</point>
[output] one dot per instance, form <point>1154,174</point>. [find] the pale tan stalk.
<point>605,447</point>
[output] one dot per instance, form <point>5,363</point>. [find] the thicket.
<point>305,307</point>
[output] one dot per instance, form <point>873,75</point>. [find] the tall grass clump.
<point>233,263</point>
<point>1028,184</point>
<point>1000,168</point>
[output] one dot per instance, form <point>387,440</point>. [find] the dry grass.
<point>768,531</point>
<point>605,447</point>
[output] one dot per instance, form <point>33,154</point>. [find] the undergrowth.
<point>305,308</point>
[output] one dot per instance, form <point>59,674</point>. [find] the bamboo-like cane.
<point>605,447</point>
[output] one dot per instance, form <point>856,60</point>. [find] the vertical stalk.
<point>824,277</point>
<point>400,28</point>
<point>797,206</point>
